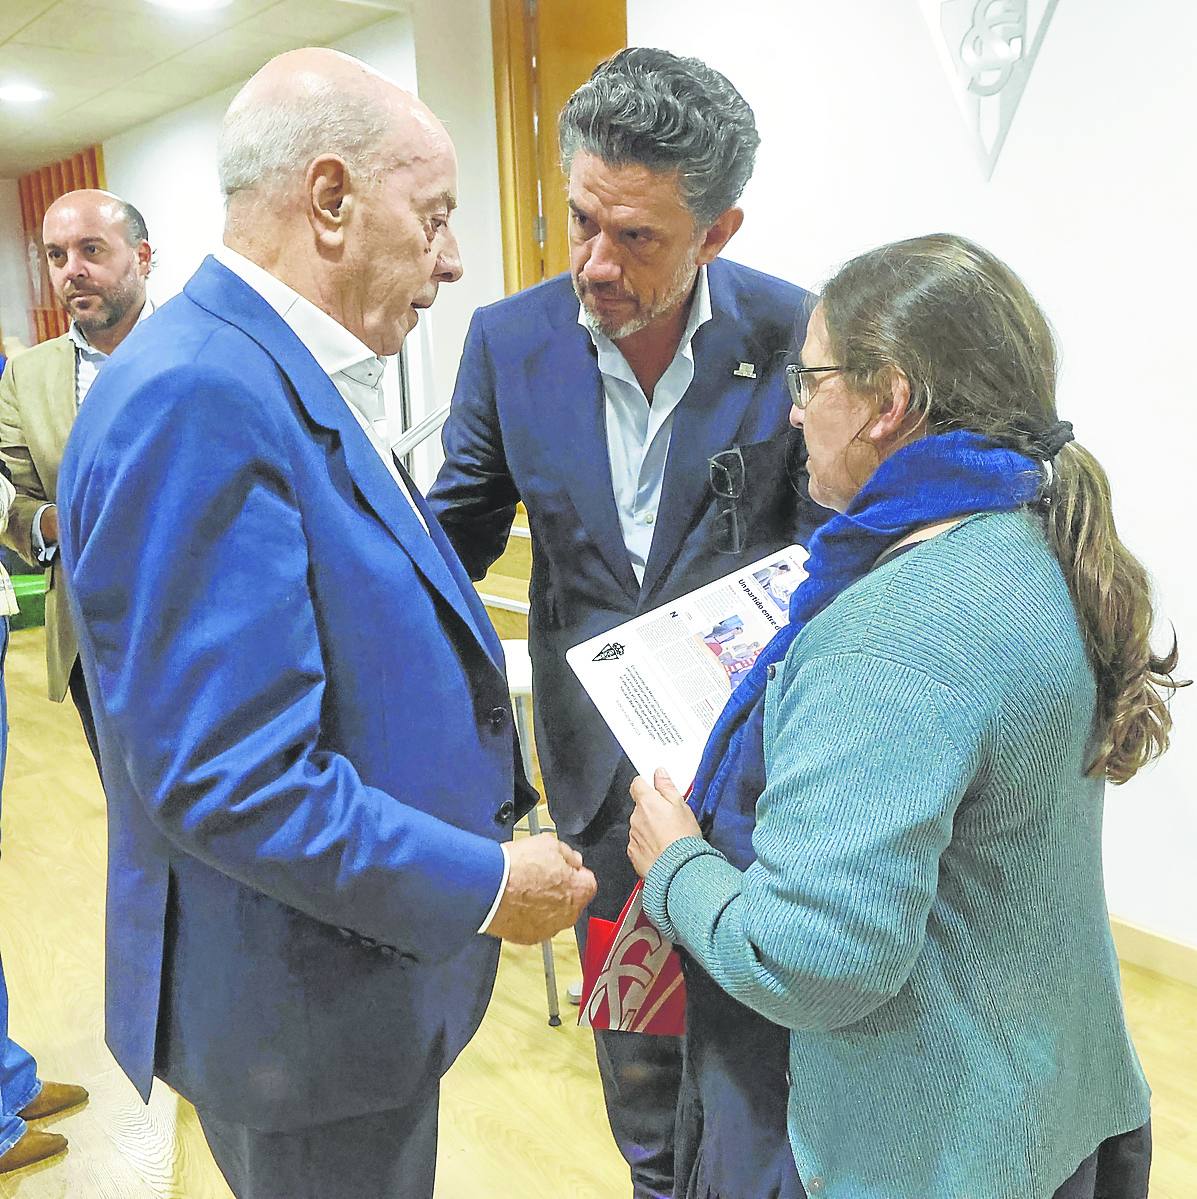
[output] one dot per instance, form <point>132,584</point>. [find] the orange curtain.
<point>39,189</point>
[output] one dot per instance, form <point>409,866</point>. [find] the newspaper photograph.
<point>661,680</point>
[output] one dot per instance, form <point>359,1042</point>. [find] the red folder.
<point>632,976</point>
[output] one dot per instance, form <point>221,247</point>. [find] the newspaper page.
<point>661,680</point>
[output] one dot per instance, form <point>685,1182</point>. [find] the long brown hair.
<point>979,355</point>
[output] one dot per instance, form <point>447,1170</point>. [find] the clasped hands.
<point>548,886</point>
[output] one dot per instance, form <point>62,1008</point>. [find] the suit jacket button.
<point>387,951</point>
<point>506,812</point>
<point>815,1186</point>
<point>771,670</point>
<point>498,718</point>
<point>346,934</point>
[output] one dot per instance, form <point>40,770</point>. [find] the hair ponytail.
<point>979,354</point>
<point>1112,595</point>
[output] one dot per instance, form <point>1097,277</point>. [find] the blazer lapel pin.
<point>745,370</point>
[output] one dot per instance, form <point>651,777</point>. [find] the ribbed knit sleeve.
<point>867,760</point>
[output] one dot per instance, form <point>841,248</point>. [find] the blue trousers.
<point>19,1083</point>
<point>387,1155</point>
<point>18,1072</point>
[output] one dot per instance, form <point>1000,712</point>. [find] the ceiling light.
<point>21,93</point>
<point>192,5</point>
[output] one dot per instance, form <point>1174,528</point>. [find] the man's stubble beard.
<point>681,283</point>
<point>114,307</point>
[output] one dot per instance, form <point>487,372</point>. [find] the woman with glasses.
<point>916,925</point>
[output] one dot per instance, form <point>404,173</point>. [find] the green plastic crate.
<point>31,595</point>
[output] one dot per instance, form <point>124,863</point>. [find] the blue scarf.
<point>933,479</point>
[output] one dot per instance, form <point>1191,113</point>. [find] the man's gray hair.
<point>653,109</point>
<point>262,144</point>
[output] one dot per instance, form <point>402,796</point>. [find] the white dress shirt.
<point>638,432</point>
<point>356,373</point>
<point>355,370</point>
<point>88,361</point>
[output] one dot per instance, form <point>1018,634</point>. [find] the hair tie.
<point>1049,443</point>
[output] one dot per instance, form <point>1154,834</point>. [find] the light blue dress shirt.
<point>638,431</point>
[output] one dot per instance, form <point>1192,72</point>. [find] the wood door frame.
<point>543,50</point>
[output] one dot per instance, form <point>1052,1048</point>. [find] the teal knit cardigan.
<point>927,913</point>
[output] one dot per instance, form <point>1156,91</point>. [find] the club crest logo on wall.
<point>988,48</point>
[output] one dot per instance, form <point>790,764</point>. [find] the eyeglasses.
<point>735,502</point>
<point>727,482</point>
<point>801,391</point>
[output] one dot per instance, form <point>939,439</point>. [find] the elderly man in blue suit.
<point>600,399</point>
<point>306,734</point>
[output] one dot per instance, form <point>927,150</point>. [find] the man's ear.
<point>724,228</point>
<point>329,200</point>
<point>145,258</point>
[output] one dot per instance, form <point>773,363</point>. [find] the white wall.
<point>167,167</point>
<point>1091,202</point>
<point>14,271</point>
<point>455,78</point>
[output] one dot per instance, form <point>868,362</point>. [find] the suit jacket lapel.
<point>60,407</point>
<point>704,423</point>
<point>225,295</point>
<point>382,495</point>
<point>571,390</point>
<point>475,612</point>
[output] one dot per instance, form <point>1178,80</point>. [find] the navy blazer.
<point>305,730</point>
<point>528,423</point>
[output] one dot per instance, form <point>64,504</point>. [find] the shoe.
<point>53,1099</point>
<point>33,1147</point>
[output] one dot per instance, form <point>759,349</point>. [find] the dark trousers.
<point>1118,1169</point>
<point>733,1128</point>
<point>387,1155</point>
<point>640,1074</point>
<point>77,685</point>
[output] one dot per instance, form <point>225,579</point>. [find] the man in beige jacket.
<point>98,256</point>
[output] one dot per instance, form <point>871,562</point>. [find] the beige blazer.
<point>37,410</point>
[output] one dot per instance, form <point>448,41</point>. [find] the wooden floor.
<point>522,1112</point>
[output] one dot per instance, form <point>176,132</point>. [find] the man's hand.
<point>49,526</point>
<point>660,818</point>
<point>547,888</point>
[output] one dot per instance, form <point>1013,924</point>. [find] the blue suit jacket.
<point>305,729</point>
<point>528,423</point>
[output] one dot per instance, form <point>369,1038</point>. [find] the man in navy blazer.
<point>599,399</point>
<point>306,733</point>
